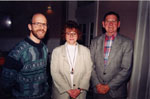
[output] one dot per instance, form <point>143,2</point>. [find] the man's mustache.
<point>41,30</point>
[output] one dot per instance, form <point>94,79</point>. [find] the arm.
<point>59,82</point>
<point>9,74</point>
<point>126,66</point>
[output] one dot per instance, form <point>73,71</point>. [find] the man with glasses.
<point>112,56</point>
<point>24,73</point>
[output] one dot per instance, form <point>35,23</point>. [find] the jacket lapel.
<point>66,62</point>
<point>78,60</point>
<point>66,66</point>
<point>114,49</point>
<point>101,50</point>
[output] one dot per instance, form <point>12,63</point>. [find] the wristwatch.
<point>81,90</point>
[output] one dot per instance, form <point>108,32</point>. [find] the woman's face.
<point>71,36</point>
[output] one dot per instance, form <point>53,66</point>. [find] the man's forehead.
<point>111,15</point>
<point>39,17</point>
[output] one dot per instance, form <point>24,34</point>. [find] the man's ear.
<point>29,27</point>
<point>119,24</point>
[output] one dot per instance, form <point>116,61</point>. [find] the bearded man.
<point>24,72</point>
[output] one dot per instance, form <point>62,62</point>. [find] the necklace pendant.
<point>72,71</point>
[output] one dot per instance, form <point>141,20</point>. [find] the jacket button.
<point>104,73</point>
<point>74,84</point>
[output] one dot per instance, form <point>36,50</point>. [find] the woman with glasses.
<point>71,66</point>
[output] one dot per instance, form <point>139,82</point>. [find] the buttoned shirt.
<point>107,46</point>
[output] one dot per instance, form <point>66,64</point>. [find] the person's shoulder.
<point>83,48</point>
<point>97,38</point>
<point>58,48</point>
<point>18,48</point>
<point>124,38</point>
<point>125,41</point>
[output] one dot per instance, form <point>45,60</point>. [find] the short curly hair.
<point>71,25</point>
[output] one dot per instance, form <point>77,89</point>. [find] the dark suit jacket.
<point>118,69</point>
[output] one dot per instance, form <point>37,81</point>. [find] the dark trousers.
<point>104,96</point>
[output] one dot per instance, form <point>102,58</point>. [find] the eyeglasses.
<point>40,24</point>
<point>113,21</point>
<point>71,34</point>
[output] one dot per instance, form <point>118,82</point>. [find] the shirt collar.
<point>40,45</point>
<point>110,37</point>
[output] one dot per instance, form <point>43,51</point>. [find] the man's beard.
<point>35,33</point>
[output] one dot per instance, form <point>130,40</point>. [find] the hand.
<point>102,89</point>
<point>105,89</point>
<point>70,92</point>
<point>98,87</point>
<point>74,92</point>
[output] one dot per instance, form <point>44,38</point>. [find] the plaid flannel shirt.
<point>107,46</point>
